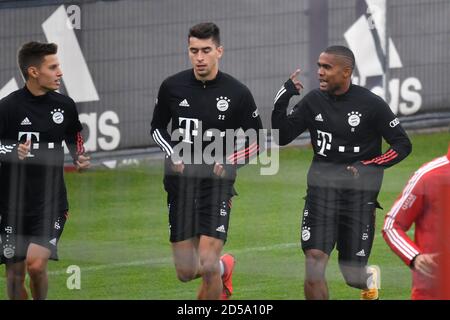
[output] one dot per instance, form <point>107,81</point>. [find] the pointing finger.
<point>295,74</point>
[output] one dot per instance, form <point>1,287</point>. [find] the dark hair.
<point>33,53</point>
<point>205,30</point>
<point>344,52</point>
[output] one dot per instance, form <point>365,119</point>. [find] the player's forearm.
<point>160,120</point>
<point>284,128</point>
<point>8,151</point>
<point>287,129</point>
<point>399,242</point>
<point>243,156</point>
<point>392,156</point>
<point>75,144</point>
<point>403,147</point>
<point>162,139</point>
<point>281,101</point>
<point>254,145</point>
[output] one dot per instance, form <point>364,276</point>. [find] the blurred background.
<point>114,56</point>
<point>117,53</point>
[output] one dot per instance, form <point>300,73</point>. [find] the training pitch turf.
<point>118,236</point>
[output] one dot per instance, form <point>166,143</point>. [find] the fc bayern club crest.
<point>354,118</point>
<point>57,116</point>
<point>223,103</point>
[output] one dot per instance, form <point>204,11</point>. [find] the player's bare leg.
<point>354,276</point>
<point>209,251</point>
<point>316,287</point>
<point>15,277</point>
<point>362,277</point>
<point>36,262</point>
<point>186,259</point>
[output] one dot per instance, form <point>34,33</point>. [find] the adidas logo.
<point>361,253</point>
<point>221,229</point>
<point>368,62</point>
<point>53,241</point>
<point>25,122</point>
<point>378,54</point>
<point>70,56</point>
<point>184,103</point>
<point>319,117</point>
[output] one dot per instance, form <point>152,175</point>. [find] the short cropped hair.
<point>205,30</point>
<point>32,54</point>
<point>344,52</point>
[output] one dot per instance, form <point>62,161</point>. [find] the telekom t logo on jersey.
<point>33,137</point>
<point>187,128</point>
<point>29,137</point>
<point>323,142</point>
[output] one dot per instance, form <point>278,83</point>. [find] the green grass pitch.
<point>117,233</point>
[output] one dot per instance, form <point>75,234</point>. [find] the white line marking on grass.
<point>166,260</point>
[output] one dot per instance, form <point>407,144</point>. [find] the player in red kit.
<point>422,202</point>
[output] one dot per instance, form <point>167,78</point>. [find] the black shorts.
<point>199,206</point>
<point>19,231</point>
<point>341,217</point>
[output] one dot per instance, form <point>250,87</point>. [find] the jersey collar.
<point>340,96</point>
<point>206,83</point>
<point>27,93</point>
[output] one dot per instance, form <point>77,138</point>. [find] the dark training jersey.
<point>196,108</point>
<point>345,129</point>
<point>35,185</point>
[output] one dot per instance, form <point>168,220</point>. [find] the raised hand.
<point>297,83</point>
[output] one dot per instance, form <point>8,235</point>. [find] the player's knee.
<point>316,256</point>
<point>16,277</point>
<point>314,282</point>
<point>355,278</point>
<point>210,269</point>
<point>316,261</point>
<point>357,283</point>
<point>37,268</point>
<point>186,275</point>
<point>315,265</point>
<point>15,274</point>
